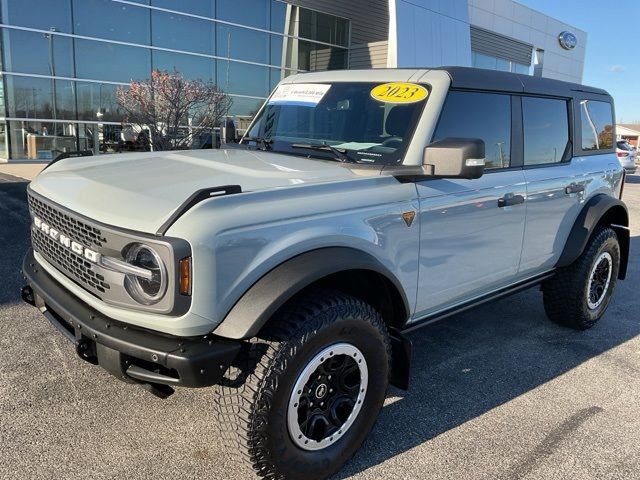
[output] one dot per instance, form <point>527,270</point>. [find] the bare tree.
<point>173,110</point>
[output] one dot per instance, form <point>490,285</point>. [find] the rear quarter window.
<point>597,125</point>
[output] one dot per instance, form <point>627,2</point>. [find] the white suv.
<point>626,156</point>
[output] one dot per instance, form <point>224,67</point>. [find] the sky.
<point>613,38</point>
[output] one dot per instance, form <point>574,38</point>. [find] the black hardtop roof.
<point>481,79</point>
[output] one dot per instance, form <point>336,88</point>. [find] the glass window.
<point>328,58</point>
<point>97,102</point>
<point>88,136</point>
<point>245,107</point>
<point>303,55</point>
<point>178,32</point>
<point>243,79</point>
<point>31,52</point>
<point>254,13</point>
<point>29,97</point>
<point>205,8</point>
<point>4,145</point>
<point>323,28</point>
<point>480,60</point>
<point>313,56</point>
<point>42,140</point>
<point>464,115</point>
<point>597,125</point>
<point>191,67</point>
<point>278,16</point>
<point>503,65</point>
<point>276,51</point>
<point>546,130</point>
<point>110,20</point>
<point>523,69</point>
<point>110,138</point>
<point>38,14</point>
<point>345,116</point>
<point>112,62</point>
<point>242,44</point>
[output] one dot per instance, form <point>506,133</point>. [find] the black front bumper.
<point>130,353</point>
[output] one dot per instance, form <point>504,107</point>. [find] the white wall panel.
<point>524,24</point>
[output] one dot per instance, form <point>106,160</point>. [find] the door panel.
<point>555,186</point>
<point>554,199</point>
<point>469,245</point>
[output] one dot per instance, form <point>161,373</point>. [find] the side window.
<point>597,125</point>
<point>479,115</point>
<point>546,130</point>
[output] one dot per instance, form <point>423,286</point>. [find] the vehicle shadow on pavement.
<point>470,364</point>
<point>14,235</point>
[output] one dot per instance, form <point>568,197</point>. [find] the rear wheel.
<point>578,295</point>
<point>308,389</point>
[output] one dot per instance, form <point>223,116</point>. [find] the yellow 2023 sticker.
<point>399,92</point>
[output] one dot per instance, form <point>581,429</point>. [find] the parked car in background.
<point>626,154</point>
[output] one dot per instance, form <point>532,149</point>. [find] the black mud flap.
<point>400,359</point>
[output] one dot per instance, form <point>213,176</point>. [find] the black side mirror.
<point>455,158</point>
<point>447,158</point>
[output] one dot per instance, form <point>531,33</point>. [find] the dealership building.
<point>62,60</point>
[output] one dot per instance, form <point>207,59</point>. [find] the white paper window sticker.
<point>301,94</point>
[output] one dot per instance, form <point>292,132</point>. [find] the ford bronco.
<point>360,205</point>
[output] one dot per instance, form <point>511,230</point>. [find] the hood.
<point>140,191</point>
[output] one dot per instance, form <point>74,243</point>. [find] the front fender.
<point>274,289</point>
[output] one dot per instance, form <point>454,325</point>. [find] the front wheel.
<point>578,295</point>
<point>309,388</point>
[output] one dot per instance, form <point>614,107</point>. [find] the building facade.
<point>62,60</point>
<point>629,132</point>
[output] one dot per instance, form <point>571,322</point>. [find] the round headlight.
<point>146,291</point>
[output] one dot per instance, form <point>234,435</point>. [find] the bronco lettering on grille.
<point>65,241</point>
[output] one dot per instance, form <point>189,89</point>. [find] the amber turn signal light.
<point>185,276</point>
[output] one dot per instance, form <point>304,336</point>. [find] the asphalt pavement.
<point>497,393</point>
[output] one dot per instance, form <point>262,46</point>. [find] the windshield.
<point>358,122</point>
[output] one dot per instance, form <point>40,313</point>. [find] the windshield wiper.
<point>340,153</point>
<point>265,143</point>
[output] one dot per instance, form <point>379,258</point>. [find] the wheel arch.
<point>598,211</point>
<point>348,270</point>
<point>343,269</point>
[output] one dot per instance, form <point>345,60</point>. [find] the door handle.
<point>574,188</point>
<point>509,200</point>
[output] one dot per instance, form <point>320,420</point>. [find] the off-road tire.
<point>566,293</point>
<point>252,400</point>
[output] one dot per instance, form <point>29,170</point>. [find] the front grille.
<point>82,233</point>
<point>71,264</point>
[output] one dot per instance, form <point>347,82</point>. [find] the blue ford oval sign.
<point>567,40</point>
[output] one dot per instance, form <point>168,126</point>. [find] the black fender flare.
<point>258,304</point>
<point>600,209</point>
